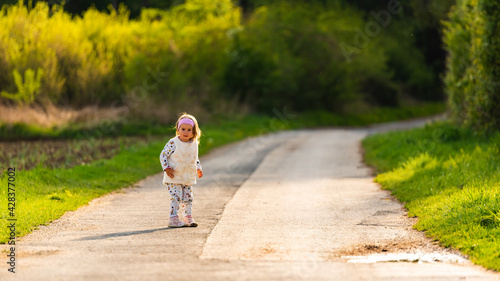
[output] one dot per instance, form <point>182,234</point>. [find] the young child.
<point>179,160</point>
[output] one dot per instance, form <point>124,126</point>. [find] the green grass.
<point>284,118</point>
<point>44,194</point>
<point>367,117</point>
<point>450,179</point>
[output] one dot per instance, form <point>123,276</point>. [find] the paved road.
<point>288,206</point>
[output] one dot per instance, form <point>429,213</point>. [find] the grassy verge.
<point>450,179</point>
<point>43,194</point>
<point>48,190</point>
<point>367,117</point>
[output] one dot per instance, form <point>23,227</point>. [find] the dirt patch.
<point>27,252</point>
<point>410,246</point>
<point>259,252</point>
<point>37,253</point>
<point>391,247</point>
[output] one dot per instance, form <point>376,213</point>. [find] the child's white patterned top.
<point>168,150</point>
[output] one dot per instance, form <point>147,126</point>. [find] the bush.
<point>105,58</point>
<point>413,44</point>
<point>306,56</point>
<point>295,55</point>
<point>473,76</point>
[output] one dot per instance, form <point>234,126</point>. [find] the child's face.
<point>185,132</point>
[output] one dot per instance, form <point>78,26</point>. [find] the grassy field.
<point>73,167</point>
<point>450,179</point>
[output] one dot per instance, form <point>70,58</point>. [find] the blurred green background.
<point>150,60</point>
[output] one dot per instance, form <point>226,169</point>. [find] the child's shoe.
<point>190,221</point>
<point>175,222</point>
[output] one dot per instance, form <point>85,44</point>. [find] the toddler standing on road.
<point>179,160</point>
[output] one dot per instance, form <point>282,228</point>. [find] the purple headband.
<point>185,121</point>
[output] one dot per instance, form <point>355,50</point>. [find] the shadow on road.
<point>121,234</point>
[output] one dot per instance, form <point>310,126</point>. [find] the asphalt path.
<point>296,205</point>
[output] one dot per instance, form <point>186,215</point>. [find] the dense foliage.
<point>79,7</point>
<point>320,55</point>
<point>107,59</point>
<point>417,56</point>
<point>307,57</point>
<point>473,77</point>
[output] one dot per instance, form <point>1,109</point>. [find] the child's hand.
<point>170,172</point>
<point>200,173</point>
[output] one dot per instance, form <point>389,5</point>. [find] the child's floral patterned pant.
<point>180,194</point>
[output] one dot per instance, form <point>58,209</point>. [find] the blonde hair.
<point>196,128</point>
